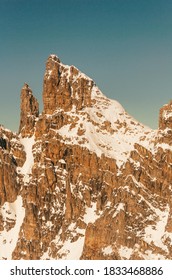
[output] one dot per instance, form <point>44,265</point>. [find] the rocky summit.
<point>83,179</point>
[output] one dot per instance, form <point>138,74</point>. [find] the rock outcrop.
<point>29,111</point>
<point>11,156</point>
<point>165,116</point>
<point>65,87</point>
<point>89,181</point>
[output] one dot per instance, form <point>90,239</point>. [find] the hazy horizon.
<point>123,45</point>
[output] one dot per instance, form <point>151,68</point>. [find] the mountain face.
<point>83,179</point>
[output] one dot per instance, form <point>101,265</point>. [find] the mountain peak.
<point>53,57</point>
<point>29,111</point>
<point>84,180</point>
<point>27,88</point>
<point>165,116</point>
<point>64,87</point>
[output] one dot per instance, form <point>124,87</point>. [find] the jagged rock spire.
<point>29,111</point>
<point>165,116</point>
<point>65,86</point>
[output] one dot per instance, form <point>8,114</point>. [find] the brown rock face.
<point>11,156</point>
<point>165,116</point>
<point>90,182</point>
<point>29,112</point>
<point>65,87</point>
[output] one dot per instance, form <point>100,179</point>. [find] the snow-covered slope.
<point>106,128</point>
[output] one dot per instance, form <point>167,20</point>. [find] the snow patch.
<point>107,250</point>
<point>155,233</point>
<point>164,146</point>
<point>8,239</point>
<point>107,129</point>
<point>149,255</point>
<point>26,168</point>
<point>90,214</point>
<point>72,250</point>
<point>121,206</point>
<point>167,114</point>
<point>125,252</point>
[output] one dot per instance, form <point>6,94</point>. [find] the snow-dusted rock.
<point>90,181</point>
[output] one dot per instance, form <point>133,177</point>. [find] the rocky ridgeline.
<point>80,199</point>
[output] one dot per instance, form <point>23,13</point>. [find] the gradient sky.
<point>124,45</point>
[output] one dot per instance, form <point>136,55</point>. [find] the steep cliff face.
<point>64,87</point>
<point>83,179</point>
<point>11,156</point>
<point>165,116</point>
<point>29,112</point>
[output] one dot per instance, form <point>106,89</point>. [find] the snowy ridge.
<point>107,129</point>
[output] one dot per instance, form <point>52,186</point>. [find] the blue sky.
<point>124,45</point>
